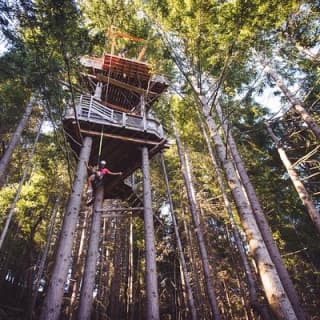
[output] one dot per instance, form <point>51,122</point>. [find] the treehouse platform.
<point>123,81</point>
<point>115,110</point>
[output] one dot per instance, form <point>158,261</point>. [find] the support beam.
<point>53,300</point>
<point>115,215</point>
<point>151,270</point>
<point>86,295</point>
<point>121,209</point>
<point>119,137</point>
<point>121,84</point>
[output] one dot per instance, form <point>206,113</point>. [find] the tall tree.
<point>4,162</point>
<point>190,298</point>
<point>53,301</point>
<point>24,176</point>
<point>276,294</point>
<point>88,282</point>
<point>301,190</point>
<point>196,221</point>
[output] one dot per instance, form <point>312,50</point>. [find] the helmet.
<point>102,163</point>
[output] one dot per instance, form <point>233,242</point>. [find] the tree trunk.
<point>298,105</point>
<point>99,307</point>
<point>114,299</point>
<point>44,256</point>
<point>301,190</point>
<point>53,300</point>
<point>255,305</point>
<point>89,276</point>
<point>307,53</point>
<point>197,225</point>
<point>191,303</point>
<point>78,262</point>
<point>151,271</point>
<point>201,303</point>
<point>16,198</point>
<point>130,273</point>
<point>14,140</point>
<point>274,290</point>
<point>261,220</point>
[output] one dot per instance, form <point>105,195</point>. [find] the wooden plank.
<point>120,84</point>
<point>116,107</point>
<point>129,68</point>
<point>110,215</point>
<point>124,85</point>
<point>120,209</point>
<point>119,137</point>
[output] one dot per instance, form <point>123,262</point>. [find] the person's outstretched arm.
<point>115,173</point>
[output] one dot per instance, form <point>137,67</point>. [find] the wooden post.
<point>90,106</point>
<point>86,295</point>
<point>98,91</point>
<point>151,271</point>
<point>53,300</point>
<point>143,113</point>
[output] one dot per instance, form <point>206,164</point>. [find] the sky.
<point>269,100</point>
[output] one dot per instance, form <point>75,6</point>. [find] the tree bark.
<point>130,273</point>
<point>16,198</point>
<point>307,53</point>
<point>275,293</point>
<point>89,276</point>
<point>78,262</point>
<point>53,300</point>
<point>190,298</point>
<point>186,172</point>
<point>114,305</point>
<point>296,103</point>
<point>151,271</point>
<point>44,255</point>
<point>198,289</point>
<point>14,140</point>
<point>254,303</point>
<point>99,307</point>
<point>261,220</point>
<point>301,190</point>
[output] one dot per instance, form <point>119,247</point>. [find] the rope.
<point>100,144</point>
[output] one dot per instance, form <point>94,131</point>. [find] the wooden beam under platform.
<point>121,209</point>
<point>115,215</point>
<point>119,137</point>
<point>120,84</point>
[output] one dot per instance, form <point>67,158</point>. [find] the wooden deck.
<point>120,135</point>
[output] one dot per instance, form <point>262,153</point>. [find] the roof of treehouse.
<point>124,81</point>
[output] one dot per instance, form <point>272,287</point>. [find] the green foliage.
<point>216,38</point>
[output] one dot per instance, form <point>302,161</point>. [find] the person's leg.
<point>90,181</point>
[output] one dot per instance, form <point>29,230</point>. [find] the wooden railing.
<point>89,109</point>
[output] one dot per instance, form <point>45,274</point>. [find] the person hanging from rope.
<point>96,177</point>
